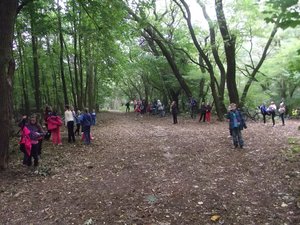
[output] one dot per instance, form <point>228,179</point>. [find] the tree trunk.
<point>61,57</point>
<point>203,57</point>
<point>77,87</point>
<point>36,72</point>
<point>229,46</point>
<point>8,9</point>
<point>53,73</point>
<point>23,74</point>
<point>71,77</point>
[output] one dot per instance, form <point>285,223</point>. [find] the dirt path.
<point>149,171</point>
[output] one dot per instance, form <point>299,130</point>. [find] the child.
<point>94,117</point>
<point>54,123</point>
<point>281,111</point>
<point>263,110</point>
<point>208,112</point>
<point>77,120</point>
<point>272,111</point>
<point>174,111</point>
<point>86,121</point>
<point>236,125</point>
<point>30,131</point>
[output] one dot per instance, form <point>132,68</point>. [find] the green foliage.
<point>284,13</point>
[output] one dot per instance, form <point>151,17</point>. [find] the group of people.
<point>32,133</point>
<point>271,111</point>
<point>237,122</point>
<point>140,107</point>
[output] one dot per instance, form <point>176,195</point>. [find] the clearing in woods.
<point>145,170</point>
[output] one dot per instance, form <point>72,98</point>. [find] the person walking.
<point>69,122</point>
<point>281,111</point>
<point>174,111</point>
<point>236,125</point>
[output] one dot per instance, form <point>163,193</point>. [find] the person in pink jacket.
<point>29,144</point>
<point>54,123</point>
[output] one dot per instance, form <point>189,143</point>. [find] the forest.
<point>93,53</point>
<point>101,54</point>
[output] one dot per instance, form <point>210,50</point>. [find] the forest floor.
<point>147,171</point>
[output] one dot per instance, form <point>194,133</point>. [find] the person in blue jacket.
<point>86,122</point>
<point>236,125</point>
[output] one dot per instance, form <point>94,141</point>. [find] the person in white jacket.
<point>272,111</point>
<point>69,122</point>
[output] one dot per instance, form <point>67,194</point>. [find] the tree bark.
<point>36,72</point>
<point>61,57</point>
<point>8,9</point>
<point>229,41</point>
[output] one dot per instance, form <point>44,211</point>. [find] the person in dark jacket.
<point>202,112</point>
<point>174,111</point>
<point>263,110</point>
<point>236,125</point>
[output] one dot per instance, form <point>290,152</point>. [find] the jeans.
<point>237,137</point>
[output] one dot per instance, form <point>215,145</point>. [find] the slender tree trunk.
<point>53,73</point>
<point>77,87</point>
<point>261,61</point>
<point>61,57</point>
<point>81,91</point>
<point>8,10</point>
<point>36,72</point>
<point>71,77</point>
<point>23,74</point>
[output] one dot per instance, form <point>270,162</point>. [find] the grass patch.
<point>293,140</point>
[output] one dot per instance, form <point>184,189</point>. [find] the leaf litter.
<point>149,171</point>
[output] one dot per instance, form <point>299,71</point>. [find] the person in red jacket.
<point>54,123</point>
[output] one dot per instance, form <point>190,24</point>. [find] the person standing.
<point>202,112</point>
<point>127,106</point>
<point>77,121</point>
<point>208,112</point>
<point>69,122</point>
<point>47,113</point>
<point>54,123</point>
<point>86,121</point>
<point>174,111</point>
<point>281,111</point>
<point>272,111</point>
<point>94,117</point>
<point>193,107</point>
<point>263,110</point>
<point>34,132</point>
<point>236,125</point>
